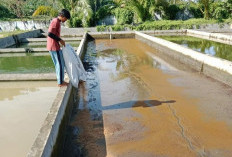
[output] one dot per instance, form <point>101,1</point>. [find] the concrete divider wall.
<point>81,48</point>
<point>75,32</point>
<point>50,139</point>
<point>164,32</point>
<point>214,67</point>
<point>15,39</point>
<point>222,38</point>
<point>112,35</point>
<point>30,34</point>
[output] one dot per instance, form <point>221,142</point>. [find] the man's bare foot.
<point>63,84</point>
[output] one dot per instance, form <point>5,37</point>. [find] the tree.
<point>144,9</point>
<point>5,12</point>
<point>80,10</point>
<point>206,6</point>
<point>16,6</point>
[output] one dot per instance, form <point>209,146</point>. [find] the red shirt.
<point>53,45</point>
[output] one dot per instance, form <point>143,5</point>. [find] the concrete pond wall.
<point>16,39</point>
<point>49,141</point>
<point>213,67</point>
<point>23,25</point>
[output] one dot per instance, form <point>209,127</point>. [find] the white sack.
<point>73,65</point>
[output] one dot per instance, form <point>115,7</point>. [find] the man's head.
<point>64,15</point>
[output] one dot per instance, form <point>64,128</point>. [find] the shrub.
<point>75,22</point>
<point>5,13</point>
<point>123,15</point>
<point>161,25</point>
<point>31,5</point>
<point>45,10</point>
<point>104,11</point>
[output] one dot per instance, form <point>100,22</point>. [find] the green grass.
<point>36,18</point>
<point>6,34</point>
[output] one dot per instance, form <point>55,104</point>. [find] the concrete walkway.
<point>24,50</point>
<point>28,77</point>
<point>26,40</point>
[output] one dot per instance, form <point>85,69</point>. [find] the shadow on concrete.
<point>139,103</point>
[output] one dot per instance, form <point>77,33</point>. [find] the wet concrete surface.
<point>23,108</point>
<point>136,104</point>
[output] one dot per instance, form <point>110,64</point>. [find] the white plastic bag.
<point>73,65</point>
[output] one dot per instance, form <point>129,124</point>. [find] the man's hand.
<point>62,42</point>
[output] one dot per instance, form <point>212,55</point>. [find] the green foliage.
<point>114,27</point>
<point>205,4</point>
<point>195,10</point>
<point>31,5</point>
<point>221,10</point>
<point>86,13</point>
<point>80,10</point>
<point>172,11</point>
<point>161,25</point>
<point>104,11</point>
<point>45,10</point>
<point>5,13</point>
<point>123,15</point>
<point>75,22</point>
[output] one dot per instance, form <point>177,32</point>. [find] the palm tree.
<point>144,9</point>
<point>79,9</point>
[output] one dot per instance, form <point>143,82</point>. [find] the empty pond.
<point>202,45</point>
<point>26,64</point>
<point>136,103</point>
<point>23,109</point>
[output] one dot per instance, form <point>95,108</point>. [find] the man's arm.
<point>53,36</point>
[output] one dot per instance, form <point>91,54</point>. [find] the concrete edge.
<point>46,142</point>
<point>181,31</point>
<point>16,39</point>
<point>215,62</point>
<point>24,50</point>
<point>112,35</point>
<point>27,40</point>
<point>43,145</point>
<point>24,54</point>
<point>209,65</point>
<point>218,37</point>
<point>28,77</point>
<point>81,47</point>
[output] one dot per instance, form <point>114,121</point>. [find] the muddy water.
<point>23,108</point>
<point>136,104</point>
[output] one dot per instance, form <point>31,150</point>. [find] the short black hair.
<point>65,13</point>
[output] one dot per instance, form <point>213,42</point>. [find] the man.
<point>53,45</point>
